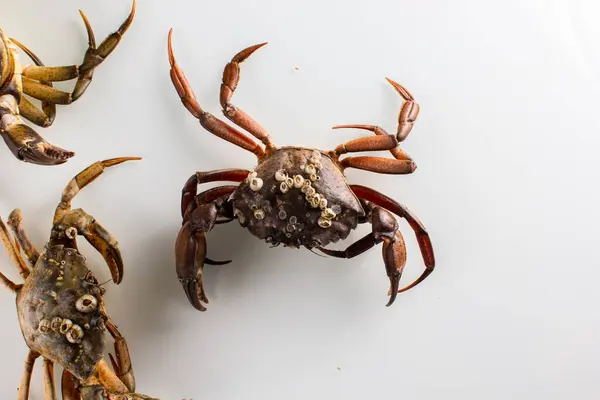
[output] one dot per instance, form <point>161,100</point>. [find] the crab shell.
<point>285,216</point>
<point>61,311</point>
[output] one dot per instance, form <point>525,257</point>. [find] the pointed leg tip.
<point>170,49</point>
<point>247,52</point>
<point>15,218</point>
<point>402,91</point>
<point>392,299</point>
<point>119,160</point>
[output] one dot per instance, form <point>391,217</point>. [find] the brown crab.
<point>17,80</point>
<point>296,196</point>
<point>60,306</point>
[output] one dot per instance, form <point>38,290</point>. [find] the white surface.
<point>506,145</point>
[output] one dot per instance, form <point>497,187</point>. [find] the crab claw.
<point>121,362</point>
<point>190,253</point>
<point>394,257</point>
<point>107,245</point>
<point>27,145</point>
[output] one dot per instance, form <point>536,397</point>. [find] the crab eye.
<point>86,303</point>
<point>65,326</point>
<point>74,334</point>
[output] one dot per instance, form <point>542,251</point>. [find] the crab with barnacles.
<point>60,307</point>
<point>17,80</point>
<point>296,196</point>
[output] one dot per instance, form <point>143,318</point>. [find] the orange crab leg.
<point>69,389</point>
<point>13,252</point>
<point>231,78</point>
<point>69,223</point>
<point>23,393</point>
<point>49,391</point>
<point>207,120</point>
<point>383,141</point>
<point>380,165</point>
<point>14,221</point>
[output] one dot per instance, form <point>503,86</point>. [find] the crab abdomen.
<point>61,311</point>
<point>297,197</point>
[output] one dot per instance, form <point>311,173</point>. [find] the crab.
<point>297,197</point>
<point>17,80</point>
<point>61,311</point>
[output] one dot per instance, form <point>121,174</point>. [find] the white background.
<point>506,144</point>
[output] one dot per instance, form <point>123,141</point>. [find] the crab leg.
<point>106,378</point>
<point>385,229</point>
<point>406,118</point>
<point>13,252</point>
<point>422,236</point>
<point>49,391</point>
<point>45,116</point>
<point>35,115</point>
<point>383,141</point>
<point>105,385</point>
<point>69,223</point>
<point>14,221</point>
<point>231,78</point>
<point>25,143</point>
<point>78,222</point>
<point>190,189</point>
<point>94,56</point>
<point>380,165</point>
<point>81,180</point>
<point>122,363</point>
<point>23,393</point>
<point>190,247</point>
<point>69,389</point>
<point>207,120</point>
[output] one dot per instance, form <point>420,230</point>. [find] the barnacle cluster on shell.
<point>312,197</point>
<point>63,326</point>
<point>66,327</point>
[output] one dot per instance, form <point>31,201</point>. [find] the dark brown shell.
<point>58,280</point>
<point>288,217</point>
